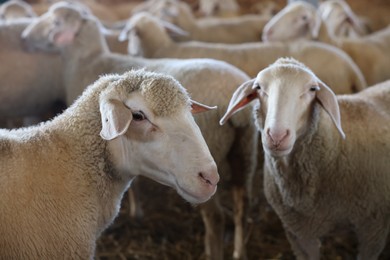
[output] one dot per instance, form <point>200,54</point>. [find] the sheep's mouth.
<point>194,198</point>
<point>277,151</point>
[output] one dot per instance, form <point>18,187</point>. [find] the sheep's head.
<point>57,28</point>
<point>147,120</point>
<point>172,11</point>
<point>287,92</point>
<point>298,20</point>
<point>341,21</point>
<point>144,23</point>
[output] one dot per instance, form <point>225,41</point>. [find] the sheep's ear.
<point>197,107</point>
<point>134,47</point>
<point>124,35</point>
<point>241,98</point>
<point>116,118</point>
<point>173,30</point>
<point>315,24</point>
<point>328,101</point>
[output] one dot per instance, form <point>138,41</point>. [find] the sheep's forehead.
<point>163,94</point>
<point>287,76</point>
<point>65,11</point>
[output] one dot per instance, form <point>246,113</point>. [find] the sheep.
<point>148,36</point>
<point>317,173</point>
<point>24,91</point>
<point>341,20</point>
<point>301,21</point>
<point>246,28</point>
<point>77,36</point>
<point>16,9</point>
<point>68,180</point>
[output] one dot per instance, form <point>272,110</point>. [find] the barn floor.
<point>171,229</point>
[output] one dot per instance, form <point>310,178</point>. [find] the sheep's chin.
<point>275,152</point>
<point>192,198</point>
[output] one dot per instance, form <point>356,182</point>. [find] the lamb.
<point>86,56</point>
<point>341,20</point>
<point>245,28</point>
<point>15,9</point>
<point>370,52</point>
<point>146,35</point>
<point>68,180</point>
<point>317,173</point>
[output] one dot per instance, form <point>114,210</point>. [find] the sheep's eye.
<point>314,88</point>
<point>304,17</point>
<point>257,86</point>
<point>57,22</point>
<point>139,116</point>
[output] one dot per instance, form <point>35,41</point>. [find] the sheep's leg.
<point>372,238</point>
<point>242,159</point>
<point>214,221</point>
<point>304,248</point>
<point>238,198</point>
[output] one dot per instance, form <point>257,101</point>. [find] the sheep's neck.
<point>299,175</point>
<point>324,35</point>
<point>79,127</point>
<point>89,44</point>
<point>187,22</point>
<point>153,40</point>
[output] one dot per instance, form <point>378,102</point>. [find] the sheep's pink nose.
<point>210,177</point>
<point>277,136</point>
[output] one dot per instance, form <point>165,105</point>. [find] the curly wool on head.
<point>163,97</point>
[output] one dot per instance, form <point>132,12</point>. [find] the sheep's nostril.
<point>203,178</point>
<point>209,179</point>
<point>277,137</point>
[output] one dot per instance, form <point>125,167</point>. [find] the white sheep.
<point>148,37</point>
<point>341,20</point>
<point>302,21</point>
<point>319,174</point>
<point>23,89</point>
<point>86,56</point>
<point>62,183</point>
<point>15,10</point>
<point>245,28</point>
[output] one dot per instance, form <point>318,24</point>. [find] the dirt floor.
<point>171,229</point>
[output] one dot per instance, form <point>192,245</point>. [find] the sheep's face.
<point>285,107</point>
<point>168,148</point>
<point>286,92</point>
<point>53,30</point>
<point>296,21</point>
<point>340,20</point>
